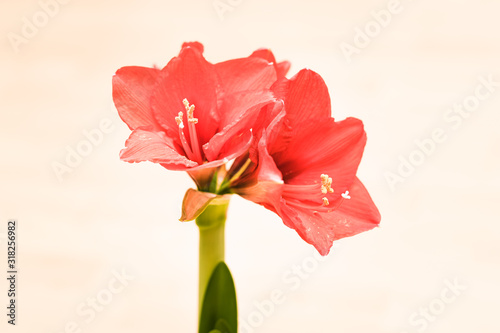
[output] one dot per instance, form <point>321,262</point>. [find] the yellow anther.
<point>190,111</point>
<point>178,119</point>
<point>325,202</point>
<point>326,184</point>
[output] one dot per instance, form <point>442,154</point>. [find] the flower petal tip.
<point>197,45</point>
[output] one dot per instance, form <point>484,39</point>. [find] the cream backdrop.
<point>432,266</point>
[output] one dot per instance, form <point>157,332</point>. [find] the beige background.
<point>440,225</point>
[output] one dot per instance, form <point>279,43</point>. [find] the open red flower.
<point>304,165</point>
<point>193,115</point>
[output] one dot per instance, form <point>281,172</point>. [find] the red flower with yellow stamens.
<point>304,166</point>
<point>226,97</point>
<point>284,149</point>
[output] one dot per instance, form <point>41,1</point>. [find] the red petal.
<point>306,98</point>
<point>264,53</point>
<point>333,148</point>
<point>238,113</point>
<point>233,148</point>
<point>306,102</point>
<point>236,146</point>
<point>281,68</point>
<point>354,216</point>
<point>132,89</point>
<point>187,76</point>
<point>196,45</point>
<point>245,74</point>
<point>268,181</point>
<point>154,147</point>
<point>268,123</point>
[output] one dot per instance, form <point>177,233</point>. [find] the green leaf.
<point>219,310</point>
<point>222,326</point>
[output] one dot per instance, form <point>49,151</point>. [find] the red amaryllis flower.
<point>304,165</point>
<point>193,115</point>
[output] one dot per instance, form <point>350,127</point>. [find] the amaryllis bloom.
<point>304,165</point>
<point>193,115</point>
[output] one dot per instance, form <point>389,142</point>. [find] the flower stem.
<point>211,224</point>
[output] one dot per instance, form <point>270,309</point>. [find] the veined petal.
<point>353,216</point>
<point>307,103</point>
<point>239,112</point>
<point>155,147</point>
<point>281,67</point>
<point>333,148</point>
<point>188,76</point>
<point>234,148</point>
<point>245,74</point>
<point>264,193</point>
<point>132,90</point>
<point>306,98</point>
<point>265,184</point>
<point>267,127</point>
<point>310,227</point>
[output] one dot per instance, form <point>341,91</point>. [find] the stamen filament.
<point>301,189</point>
<point>309,205</point>
<point>185,144</point>
<point>240,171</point>
<point>192,151</point>
<point>316,206</point>
<point>195,145</point>
<point>194,142</point>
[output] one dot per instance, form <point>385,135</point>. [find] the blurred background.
<point>100,248</point>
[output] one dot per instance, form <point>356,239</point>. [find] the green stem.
<point>211,223</point>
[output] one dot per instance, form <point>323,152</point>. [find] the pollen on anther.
<point>190,111</point>
<point>325,201</point>
<point>178,119</point>
<point>326,184</point>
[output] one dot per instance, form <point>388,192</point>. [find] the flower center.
<point>314,196</point>
<point>309,194</point>
<point>192,150</point>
